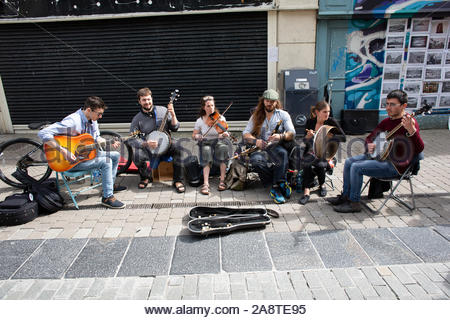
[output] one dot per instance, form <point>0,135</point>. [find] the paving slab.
<point>443,230</point>
<point>429,245</point>
<point>245,251</point>
<point>291,251</point>
<point>196,255</point>
<point>51,260</point>
<point>99,258</point>
<point>338,249</point>
<point>383,247</point>
<point>148,257</point>
<point>13,254</point>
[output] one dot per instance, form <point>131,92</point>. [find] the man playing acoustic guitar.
<point>85,121</point>
<point>407,144</point>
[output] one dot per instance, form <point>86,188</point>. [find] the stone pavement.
<point>309,252</point>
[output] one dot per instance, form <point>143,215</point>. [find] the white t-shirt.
<point>202,127</point>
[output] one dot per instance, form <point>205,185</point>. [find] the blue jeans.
<point>357,167</point>
<point>279,158</point>
<point>107,163</point>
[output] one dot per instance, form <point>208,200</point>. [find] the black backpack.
<point>18,209</point>
<point>194,172</point>
<point>45,193</point>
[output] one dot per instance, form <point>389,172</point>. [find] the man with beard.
<point>147,120</point>
<point>268,126</point>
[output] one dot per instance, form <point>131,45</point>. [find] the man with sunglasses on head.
<point>84,120</point>
<point>407,145</point>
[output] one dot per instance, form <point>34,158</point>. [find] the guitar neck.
<point>97,145</point>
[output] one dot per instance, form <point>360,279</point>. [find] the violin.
<point>214,120</point>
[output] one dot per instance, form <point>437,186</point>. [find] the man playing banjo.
<point>407,144</point>
<point>148,120</point>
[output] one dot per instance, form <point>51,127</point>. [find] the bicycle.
<point>28,155</point>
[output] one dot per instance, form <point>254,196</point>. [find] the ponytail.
<point>312,112</point>
<point>318,107</point>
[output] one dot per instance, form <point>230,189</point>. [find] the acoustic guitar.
<point>385,140</point>
<point>82,146</point>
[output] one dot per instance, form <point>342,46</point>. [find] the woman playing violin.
<point>210,130</point>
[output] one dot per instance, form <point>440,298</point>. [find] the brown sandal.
<point>205,189</point>
<point>222,186</point>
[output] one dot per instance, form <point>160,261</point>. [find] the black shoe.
<point>112,203</point>
<point>304,199</point>
<point>340,199</point>
<point>348,207</point>
<point>322,191</point>
<point>118,188</point>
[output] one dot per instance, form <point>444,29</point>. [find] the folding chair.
<point>328,180</point>
<point>78,176</point>
<point>411,171</point>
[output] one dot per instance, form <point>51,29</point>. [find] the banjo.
<point>384,140</point>
<point>160,135</point>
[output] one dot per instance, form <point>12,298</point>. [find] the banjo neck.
<point>393,131</point>
<point>163,122</point>
<point>173,97</point>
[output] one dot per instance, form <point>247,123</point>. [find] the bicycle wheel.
<point>126,152</point>
<point>26,154</point>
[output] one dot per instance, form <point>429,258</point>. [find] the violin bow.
<point>217,119</point>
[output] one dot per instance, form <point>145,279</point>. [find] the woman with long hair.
<point>319,116</point>
<point>211,143</point>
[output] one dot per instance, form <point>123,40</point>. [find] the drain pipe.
<point>5,119</point>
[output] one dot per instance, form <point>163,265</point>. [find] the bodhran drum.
<point>324,146</point>
<point>163,142</point>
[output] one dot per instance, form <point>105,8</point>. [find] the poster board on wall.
<point>417,60</point>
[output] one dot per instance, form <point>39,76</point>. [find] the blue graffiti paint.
<point>418,6</point>
<point>376,7</point>
<point>364,63</point>
<point>338,59</point>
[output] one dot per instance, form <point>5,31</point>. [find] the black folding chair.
<point>395,182</point>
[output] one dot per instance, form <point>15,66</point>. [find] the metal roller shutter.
<point>48,69</point>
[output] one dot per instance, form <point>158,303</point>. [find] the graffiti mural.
<point>45,8</point>
<point>364,63</point>
<point>365,45</point>
<point>406,8</point>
